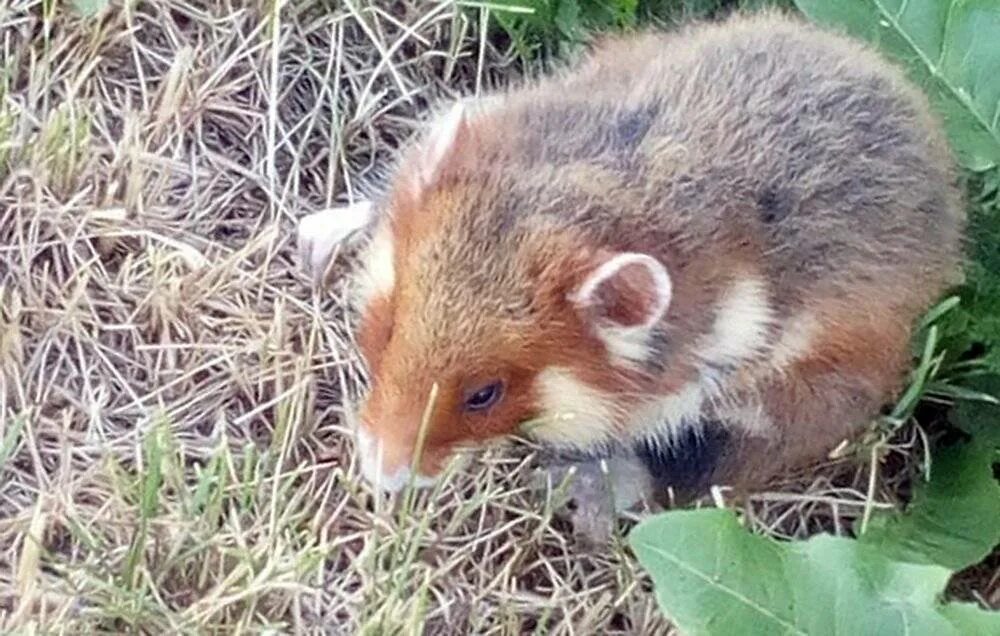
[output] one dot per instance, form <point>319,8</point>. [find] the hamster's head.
<point>477,321</point>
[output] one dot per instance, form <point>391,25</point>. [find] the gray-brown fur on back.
<point>681,145</point>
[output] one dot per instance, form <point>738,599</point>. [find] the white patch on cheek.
<point>371,457</point>
<point>575,413</point>
<point>377,274</point>
<point>741,326</point>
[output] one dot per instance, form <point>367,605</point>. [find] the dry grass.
<point>171,452</point>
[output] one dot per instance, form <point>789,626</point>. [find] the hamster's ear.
<point>627,290</point>
<point>442,138</point>
<point>454,131</point>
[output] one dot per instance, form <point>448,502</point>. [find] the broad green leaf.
<point>953,519</point>
<point>948,47</point>
<point>713,577</point>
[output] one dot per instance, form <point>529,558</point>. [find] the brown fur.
<point>760,147</point>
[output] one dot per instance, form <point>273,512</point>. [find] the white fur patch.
<point>741,330</point>
<point>741,325</point>
<point>795,340</point>
<point>664,417</point>
<point>319,234</point>
<point>628,344</point>
<point>575,413</point>
<point>749,417</point>
<point>371,460</point>
<point>377,274</point>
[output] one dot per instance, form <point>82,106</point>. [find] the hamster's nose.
<point>385,465</point>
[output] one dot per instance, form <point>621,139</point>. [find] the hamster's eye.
<point>484,397</point>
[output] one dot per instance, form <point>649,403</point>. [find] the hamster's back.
<point>767,128</point>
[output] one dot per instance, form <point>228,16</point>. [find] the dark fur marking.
<point>688,462</point>
<point>632,126</point>
<point>720,368</point>
<point>659,351</point>
<point>774,204</point>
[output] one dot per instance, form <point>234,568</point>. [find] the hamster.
<point>700,252</point>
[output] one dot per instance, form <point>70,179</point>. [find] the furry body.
<point>734,224</point>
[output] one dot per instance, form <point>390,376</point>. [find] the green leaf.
<point>981,419</point>
<point>154,447</point>
<point>608,13</point>
<point>714,577</point>
<point>953,520</point>
<point>567,19</point>
<point>974,326</point>
<point>11,439</point>
<point>947,47</point>
<point>554,25</point>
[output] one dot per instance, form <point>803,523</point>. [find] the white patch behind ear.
<point>742,325</point>
<point>319,234</point>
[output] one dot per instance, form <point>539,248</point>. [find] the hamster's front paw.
<point>590,505</point>
<point>596,491</point>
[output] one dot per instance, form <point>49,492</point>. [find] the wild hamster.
<point>701,251</point>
